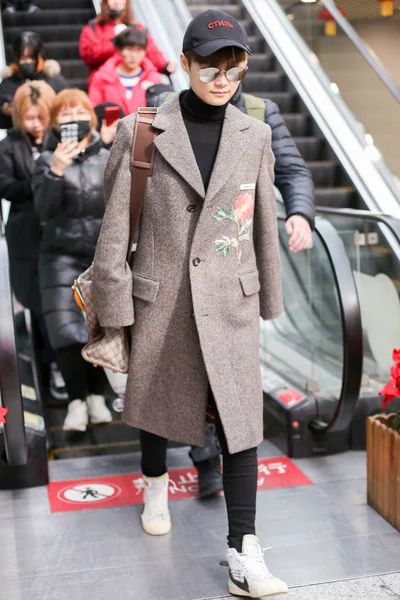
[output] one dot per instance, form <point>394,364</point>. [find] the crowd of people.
<point>60,146</point>
<point>54,183</point>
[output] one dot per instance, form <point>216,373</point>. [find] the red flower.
<point>390,390</point>
<point>396,356</point>
<point>244,206</point>
<point>3,412</point>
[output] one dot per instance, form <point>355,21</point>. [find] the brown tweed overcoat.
<point>206,267</point>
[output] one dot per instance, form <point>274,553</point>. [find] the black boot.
<point>210,477</point>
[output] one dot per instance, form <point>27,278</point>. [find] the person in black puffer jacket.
<point>18,153</point>
<point>28,65</point>
<point>68,191</point>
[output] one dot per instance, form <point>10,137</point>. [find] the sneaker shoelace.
<point>153,493</point>
<point>256,564</point>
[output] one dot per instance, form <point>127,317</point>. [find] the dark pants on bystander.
<point>81,378</point>
<point>239,478</point>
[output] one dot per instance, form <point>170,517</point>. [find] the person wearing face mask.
<point>96,45</point>
<point>68,193</point>
<point>28,65</point>
<point>205,268</point>
<point>126,76</point>
<point>18,153</point>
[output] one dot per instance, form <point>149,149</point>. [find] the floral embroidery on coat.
<point>241,215</point>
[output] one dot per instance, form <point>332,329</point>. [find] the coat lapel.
<point>232,145</point>
<point>174,144</point>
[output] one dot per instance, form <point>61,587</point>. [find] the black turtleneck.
<point>204,125</point>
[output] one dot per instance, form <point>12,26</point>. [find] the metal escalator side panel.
<point>10,388</point>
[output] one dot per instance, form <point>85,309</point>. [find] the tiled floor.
<point>320,533</point>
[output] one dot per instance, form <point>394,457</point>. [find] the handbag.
<point>109,347</point>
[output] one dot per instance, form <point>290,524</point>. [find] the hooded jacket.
<point>96,47</point>
<point>106,86</point>
<point>51,74</point>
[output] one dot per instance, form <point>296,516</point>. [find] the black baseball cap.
<point>212,30</point>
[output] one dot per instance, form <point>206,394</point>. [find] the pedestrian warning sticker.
<point>125,490</point>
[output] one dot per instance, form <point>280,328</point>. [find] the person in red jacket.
<point>126,76</point>
<point>95,43</point>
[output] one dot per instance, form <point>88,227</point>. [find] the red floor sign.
<point>124,490</point>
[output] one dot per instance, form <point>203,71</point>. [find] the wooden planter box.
<point>383,468</point>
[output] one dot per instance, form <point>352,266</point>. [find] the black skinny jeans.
<point>81,378</point>
<point>239,478</point>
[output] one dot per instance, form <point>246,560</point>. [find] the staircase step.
<point>49,17</point>
<point>47,33</point>
<point>256,83</point>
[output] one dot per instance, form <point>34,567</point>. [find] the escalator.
<point>310,362</point>
<point>59,24</point>
<point>267,79</point>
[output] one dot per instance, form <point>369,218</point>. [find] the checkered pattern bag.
<point>108,347</point>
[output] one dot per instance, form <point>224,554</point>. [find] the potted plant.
<point>383,453</point>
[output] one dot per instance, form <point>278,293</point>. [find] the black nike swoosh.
<point>243,585</point>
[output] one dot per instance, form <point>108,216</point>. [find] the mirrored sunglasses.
<point>210,74</point>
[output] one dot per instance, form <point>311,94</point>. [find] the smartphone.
<point>111,114</point>
<point>69,132</point>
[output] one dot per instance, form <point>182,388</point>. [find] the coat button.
<point>196,262</point>
<point>191,208</point>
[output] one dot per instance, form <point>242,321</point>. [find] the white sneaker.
<point>98,411</point>
<point>155,517</point>
<point>248,573</point>
<point>77,417</point>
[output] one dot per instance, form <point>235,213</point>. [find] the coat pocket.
<point>144,288</point>
<point>250,283</point>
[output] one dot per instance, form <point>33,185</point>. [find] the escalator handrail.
<point>367,52</point>
<point>10,387</point>
<point>352,333</point>
<point>370,175</point>
<point>392,223</point>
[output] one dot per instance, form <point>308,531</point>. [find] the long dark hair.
<point>27,40</point>
<point>104,16</point>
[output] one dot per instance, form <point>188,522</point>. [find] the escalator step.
<point>74,69</point>
<point>49,17</point>
<point>323,172</point>
<point>309,147</point>
<point>235,10</point>
<point>264,82</point>
<point>286,101</point>
<point>336,197</point>
<point>262,62</point>
<point>80,83</point>
<point>217,4</point>
<point>298,124</point>
<point>55,50</point>
<point>57,4</point>
<point>47,33</point>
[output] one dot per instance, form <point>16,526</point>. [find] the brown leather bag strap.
<point>142,160</point>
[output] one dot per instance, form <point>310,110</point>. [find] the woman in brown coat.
<point>206,267</point>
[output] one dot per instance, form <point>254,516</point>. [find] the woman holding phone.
<point>68,193</point>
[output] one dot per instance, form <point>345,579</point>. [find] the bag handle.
<point>142,161</point>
